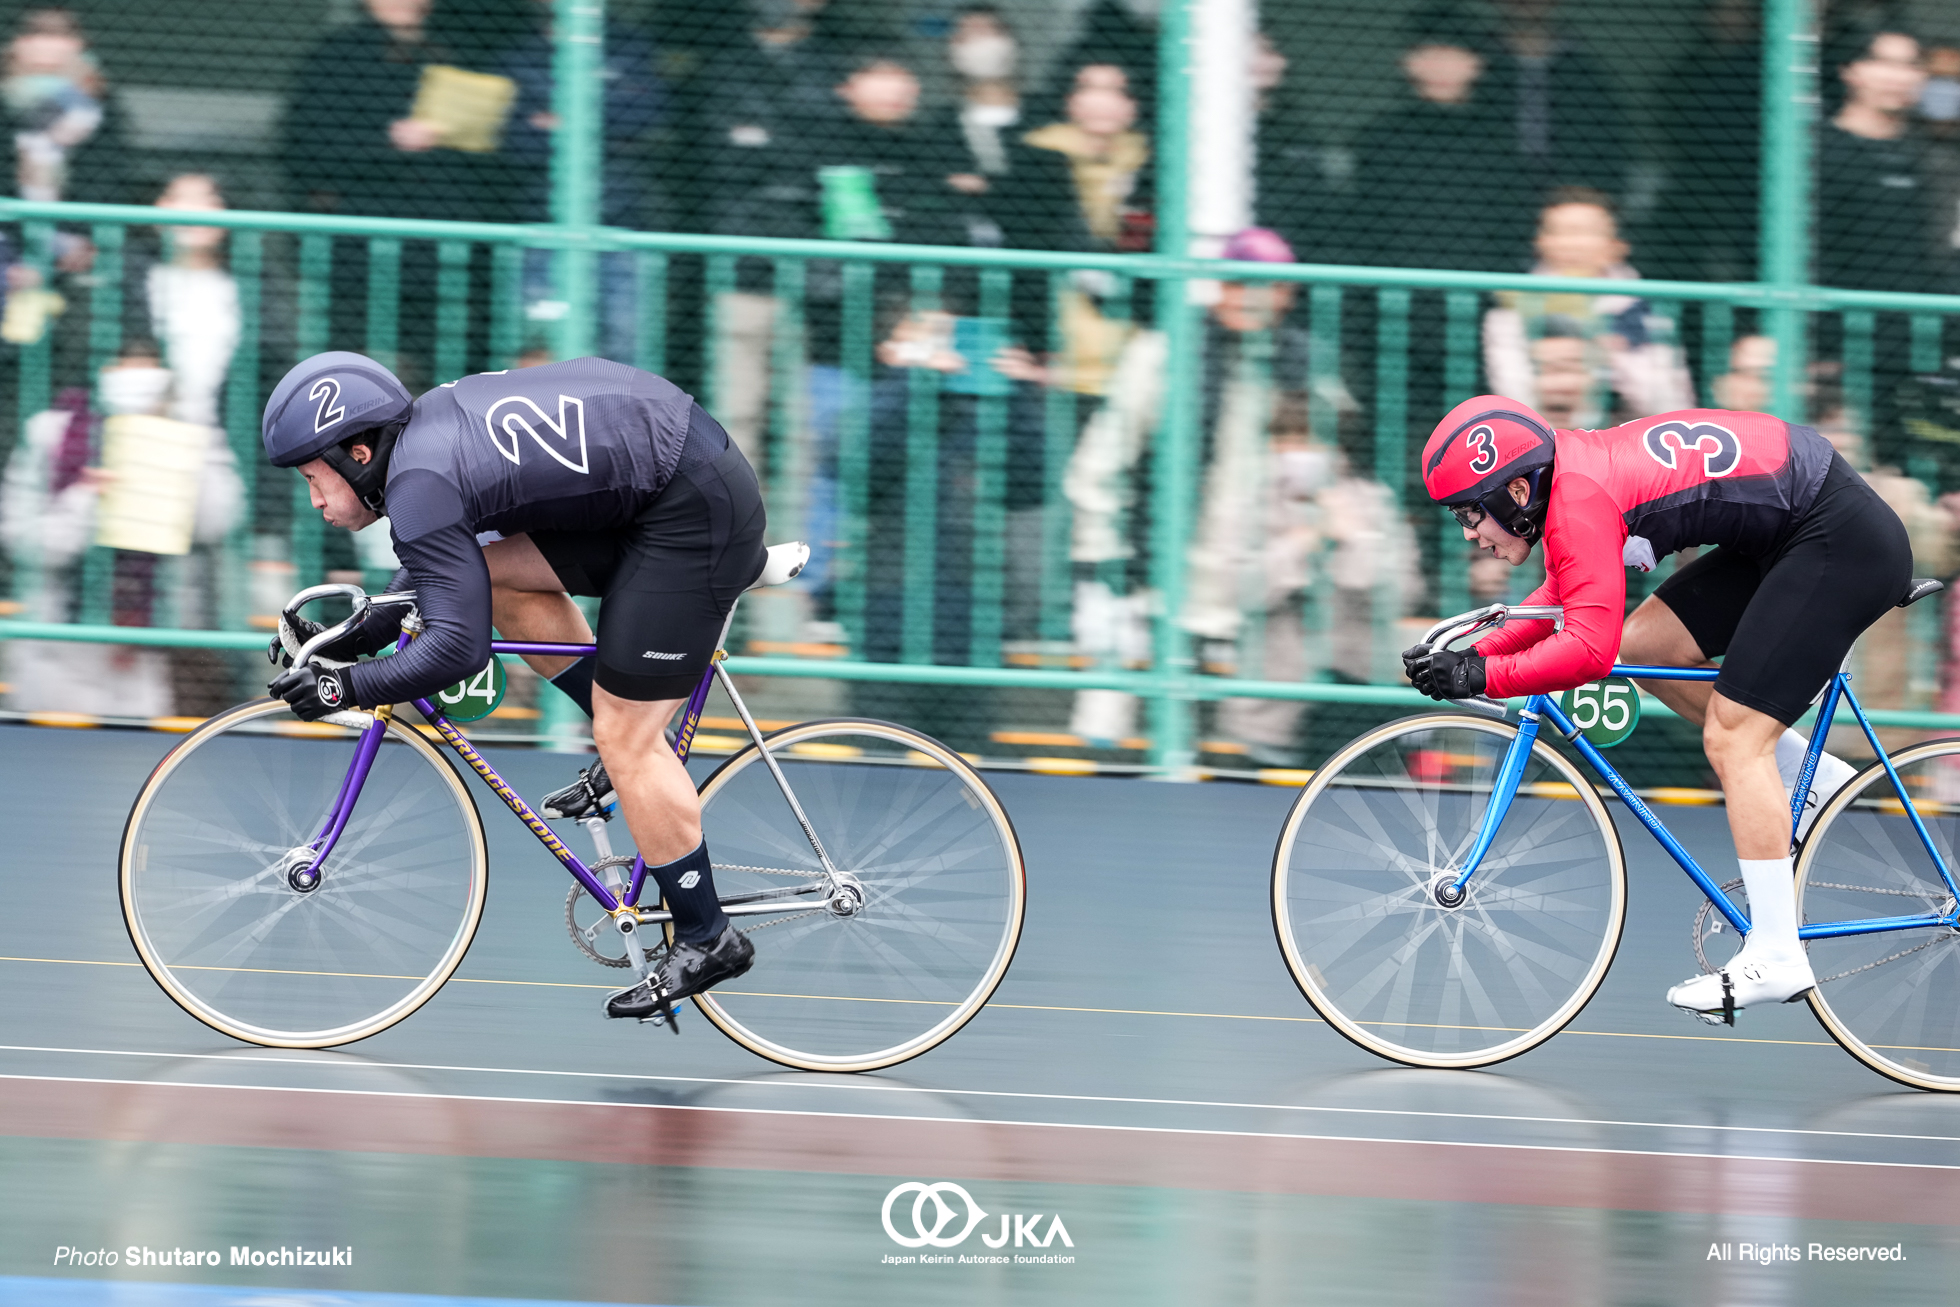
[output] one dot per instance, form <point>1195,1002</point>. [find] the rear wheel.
<point>219,904</point>
<point>933,894</point>
<point>1892,1000</point>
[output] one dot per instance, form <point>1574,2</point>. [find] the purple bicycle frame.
<point>370,746</point>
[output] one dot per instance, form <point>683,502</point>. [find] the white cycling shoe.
<point>1745,982</point>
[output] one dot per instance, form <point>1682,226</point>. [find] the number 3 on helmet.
<point>1478,449</point>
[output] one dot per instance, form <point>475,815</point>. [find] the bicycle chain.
<point>1701,919</point>
<point>621,860</point>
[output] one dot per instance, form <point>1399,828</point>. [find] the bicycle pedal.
<point>666,1016</point>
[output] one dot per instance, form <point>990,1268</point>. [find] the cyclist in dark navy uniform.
<point>507,493</point>
<point>1806,557</point>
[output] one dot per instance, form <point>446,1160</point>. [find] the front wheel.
<point>226,916</point>
<point>1359,920</point>
<point>1891,999</point>
<point>933,895</point>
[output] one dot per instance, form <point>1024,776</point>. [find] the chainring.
<point>1703,931</point>
<point>602,929</point>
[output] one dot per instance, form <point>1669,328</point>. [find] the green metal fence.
<point>956,507</point>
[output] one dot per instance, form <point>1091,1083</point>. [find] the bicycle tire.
<point>221,930</point>
<point>1363,935</point>
<point>945,895</point>
<point>1891,1000</point>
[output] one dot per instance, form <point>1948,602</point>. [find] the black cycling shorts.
<point>1782,623</point>
<point>667,579</point>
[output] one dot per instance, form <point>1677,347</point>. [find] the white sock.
<point>1832,772</point>
<point>1772,910</point>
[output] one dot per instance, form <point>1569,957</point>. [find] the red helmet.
<point>1478,449</point>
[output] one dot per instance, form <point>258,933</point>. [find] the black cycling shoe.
<point>590,795</point>
<point>688,970</point>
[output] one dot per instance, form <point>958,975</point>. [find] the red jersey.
<point>1627,495</point>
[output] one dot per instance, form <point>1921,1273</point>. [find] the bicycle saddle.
<point>1921,587</point>
<point>786,561</point>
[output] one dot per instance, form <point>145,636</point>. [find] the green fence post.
<point>384,301</point>
<point>1171,746</point>
<point>852,561</point>
<point>310,338</point>
<point>1789,105</point>
<point>918,607</point>
<point>577,157</point>
<point>242,400</point>
<point>1391,461</point>
<point>989,493</point>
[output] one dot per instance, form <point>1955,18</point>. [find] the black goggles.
<point>1468,516</point>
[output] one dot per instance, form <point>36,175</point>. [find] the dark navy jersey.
<point>582,445</point>
<point>1628,495</point>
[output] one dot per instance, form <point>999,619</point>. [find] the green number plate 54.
<point>476,697</point>
<point>1604,711</point>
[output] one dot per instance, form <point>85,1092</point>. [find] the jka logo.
<point>329,690</point>
<point>1720,451</point>
<point>936,1230</point>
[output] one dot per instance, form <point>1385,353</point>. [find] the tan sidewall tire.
<point>423,992</point>
<point>1359,1034</point>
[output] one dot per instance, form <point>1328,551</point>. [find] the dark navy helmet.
<point>328,400</point>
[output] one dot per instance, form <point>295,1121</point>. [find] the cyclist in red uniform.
<point>1806,557</point>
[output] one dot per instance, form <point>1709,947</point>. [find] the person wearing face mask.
<point>982,51</point>
<point>1262,516</point>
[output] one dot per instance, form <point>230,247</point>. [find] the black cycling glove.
<point>1444,673</point>
<point>312,692</point>
<point>380,628</point>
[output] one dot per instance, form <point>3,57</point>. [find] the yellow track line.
<point>1016,1007</point>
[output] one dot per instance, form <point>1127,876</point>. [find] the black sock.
<point>688,885</point>
<point>576,682</point>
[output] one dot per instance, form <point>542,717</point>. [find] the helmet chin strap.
<point>1526,521</point>
<point>369,480</point>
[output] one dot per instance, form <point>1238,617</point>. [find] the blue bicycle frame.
<point>1543,707</point>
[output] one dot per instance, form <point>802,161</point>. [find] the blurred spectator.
<point>54,96</point>
<point>1111,33</point>
<point>1746,386</point>
<point>1875,226</point>
<point>1583,360</point>
<point>193,303</point>
<point>1567,124</point>
<point>1269,494</point>
<point>48,521</point>
<point>1711,141</point>
<point>634,103</point>
<point>1078,184</point>
<point>1438,180</point>
<point>1884,654</point>
<point>350,142</point>
<point>984,52</point>
<point>763,92</point>
<point>1939,115</point>
<point>881,172</point>
<point>1081,184</point>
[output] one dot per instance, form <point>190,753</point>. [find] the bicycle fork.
<point>1450,891</point>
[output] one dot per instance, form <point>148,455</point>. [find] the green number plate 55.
<point>1604,711</point>
<point>474,698</point>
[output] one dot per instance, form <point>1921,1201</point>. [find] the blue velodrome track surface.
<point>1148,1074</point>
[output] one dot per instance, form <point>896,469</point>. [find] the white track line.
<point>863,1088</point>
<point>1042,1125</point>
